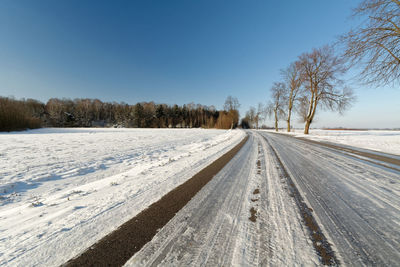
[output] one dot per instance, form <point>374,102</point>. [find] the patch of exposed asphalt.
<point>258,167</point>
<point>119,246</point>
<point>253,216</point>
<point>320,242</point>
<point>253,211</point>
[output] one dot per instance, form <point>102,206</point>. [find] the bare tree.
<point>293,80</point>
<point>376,43</point>
<point>251,116</point>
<point>276,107</point>
<point>231,103</point>
<point>321,70</point>
<point>231,106</point>
<point>259,114</point>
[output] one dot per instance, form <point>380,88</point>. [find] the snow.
<point>63,189</point>
<point>385,141</point>
<point>214,228</point>
<point>356,203</point>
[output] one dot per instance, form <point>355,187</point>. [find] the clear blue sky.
<point>173,51</point>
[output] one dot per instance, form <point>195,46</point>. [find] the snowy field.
<point>378,140</point>
<point>63,189</point>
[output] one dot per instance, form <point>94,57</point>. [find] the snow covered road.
<point>357,203</point>
<point>244,216</point>
<point>247,215</point>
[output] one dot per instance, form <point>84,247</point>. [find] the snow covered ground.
<point>378,140</point>
<point>63,189</point>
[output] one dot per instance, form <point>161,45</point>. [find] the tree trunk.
<point>290,106</point>
<point>276,122</point>
<point>307,127</point>
<point>311,116</point>
<point>311,112</point>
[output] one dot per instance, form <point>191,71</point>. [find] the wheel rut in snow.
<point>120,245</point>
<point>319,240</point>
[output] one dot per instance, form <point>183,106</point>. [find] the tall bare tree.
<point>293,80</point>
<point>251,116</point>
<point>260,114</point>
<point>276,107</point>
<point>321,71</point>
<point>231,106</point>
<point>376,43</point>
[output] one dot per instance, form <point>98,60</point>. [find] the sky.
<point>175,52</point>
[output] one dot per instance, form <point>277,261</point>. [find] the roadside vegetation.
<point>311,83</point>
<point>315,80</point>
<point>276,107</point>
<point>29,114</point>
<point>375,44</point>
<point>20,114</point>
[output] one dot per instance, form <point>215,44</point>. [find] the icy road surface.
<point>356,203</point>
<point>63,189</point>
<point>244,216</point>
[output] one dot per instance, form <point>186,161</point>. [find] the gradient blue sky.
<point>174,52</point>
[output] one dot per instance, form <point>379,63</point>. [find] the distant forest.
<point>30,114</point>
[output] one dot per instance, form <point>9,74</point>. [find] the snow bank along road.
<point>63,189</point>
<point>356,201</point>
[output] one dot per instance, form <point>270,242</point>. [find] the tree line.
<point>314,81</point>
<point>30,114</point>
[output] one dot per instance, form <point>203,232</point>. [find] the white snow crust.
<point>61,190</point>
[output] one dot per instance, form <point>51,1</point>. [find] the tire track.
<point>320,242</point>
<point>355,203</point>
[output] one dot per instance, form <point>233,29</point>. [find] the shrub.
<point>19,114</point>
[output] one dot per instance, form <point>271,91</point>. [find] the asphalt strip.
<point>120,245</point>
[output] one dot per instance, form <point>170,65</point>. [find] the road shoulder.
<point>117,247</point>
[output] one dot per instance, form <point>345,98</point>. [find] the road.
<point>244,216</point>
<point>249,214</point>
<point>356,202</point>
